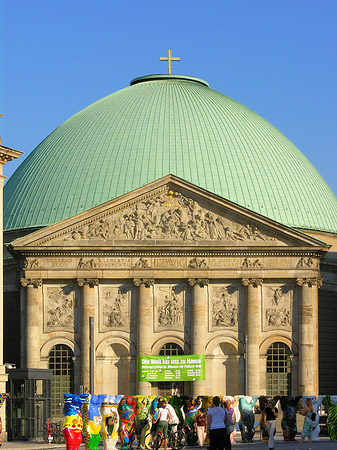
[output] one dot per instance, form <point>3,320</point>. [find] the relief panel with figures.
<point>277,307</point>
<point>59,304</point>
<point>169,216</point>
<point>114,307</point>
<point>223,307</point>
<point>169,307</point>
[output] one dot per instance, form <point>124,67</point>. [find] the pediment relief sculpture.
<point>168,216</point>
<point>59,307</point>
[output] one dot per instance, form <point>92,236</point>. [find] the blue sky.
<point>277,57</point>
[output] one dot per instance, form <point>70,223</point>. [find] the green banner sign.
<point>171,368</point>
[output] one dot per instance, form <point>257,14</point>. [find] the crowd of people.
<point>217,424</point>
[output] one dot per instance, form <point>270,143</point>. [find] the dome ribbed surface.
<point>167,125</point>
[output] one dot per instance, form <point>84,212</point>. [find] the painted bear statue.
<point>288,423</point>
<point>73,422</point>
<point>2,400</point>
<point>143,421</point>
<point>126,410</point>
<point>93,421</point>
<point>247,417</point>
<point>110,421</point>
<point>331,403</point>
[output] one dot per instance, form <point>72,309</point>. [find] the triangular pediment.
<point>168,212</point>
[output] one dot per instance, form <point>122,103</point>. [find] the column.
<point>199,326</point>
<point>88,309</point>
<point>34,312</point>
<point>308,336</point>
<point>252,327</point>
<point>144,326</point>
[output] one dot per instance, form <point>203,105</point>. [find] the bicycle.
<point>155,439</point>
<point>191,437</point>
<point>175,439</point>
<point>51,433</point>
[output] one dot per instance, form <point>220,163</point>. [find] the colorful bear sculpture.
<point>143,421</point>
<point>247,417</point>
<point>73,422</point>
<point>126,410</point>
<point>331,403</point>
<point>93,421</point>
<point>288,423</point>
<point>2,400</point>
<point>110,421</point>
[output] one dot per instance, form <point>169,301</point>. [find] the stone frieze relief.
<point>305,262</point>
<point>31,263</point>
<point>168,216</point>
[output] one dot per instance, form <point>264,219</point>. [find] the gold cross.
<point>169,59</point>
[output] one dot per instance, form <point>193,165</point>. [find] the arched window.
<point>278,369</point>
<point>62,365</point>
<point>166,387</point>
<point>171,349</point>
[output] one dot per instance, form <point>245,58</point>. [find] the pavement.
<point>323,444</point>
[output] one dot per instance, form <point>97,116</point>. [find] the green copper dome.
<point>160,125</point>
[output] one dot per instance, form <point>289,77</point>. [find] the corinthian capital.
<point>310,282</point>
<point>147,282</point>
<point>255,282</point>
<point>202,282</point>
<point>35,282</point>
<point>91,282</point>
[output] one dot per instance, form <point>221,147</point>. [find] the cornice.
<point>235,252</point>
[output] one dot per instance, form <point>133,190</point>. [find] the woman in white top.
<point>164,417</point>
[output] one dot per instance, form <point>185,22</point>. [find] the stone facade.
<point>171,263</point>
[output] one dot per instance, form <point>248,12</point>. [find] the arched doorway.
<point>278,369</point>
<point>62,364</point>
<point>167,387</point>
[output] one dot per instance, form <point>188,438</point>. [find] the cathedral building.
<point>168,219</point>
